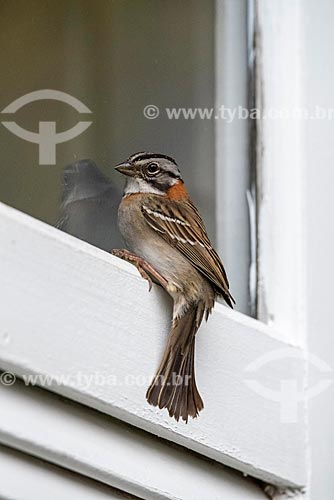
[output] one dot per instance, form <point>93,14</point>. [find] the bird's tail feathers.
<point>174,386</point>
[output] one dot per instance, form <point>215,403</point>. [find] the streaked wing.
<point>180,224</point>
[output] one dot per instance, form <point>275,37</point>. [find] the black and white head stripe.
<point>151,173</point>
<point>150,156</point>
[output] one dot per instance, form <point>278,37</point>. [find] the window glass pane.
<point>116,58</point>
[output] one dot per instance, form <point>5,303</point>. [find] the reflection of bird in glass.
<point>89,205</point>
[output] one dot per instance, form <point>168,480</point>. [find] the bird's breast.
<point>148,244</point>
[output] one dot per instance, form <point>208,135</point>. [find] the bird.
<point>166,239</point>
<point>89,205</point>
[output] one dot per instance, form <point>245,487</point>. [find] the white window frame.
<point>85,311</point>
<point>280,169</point>
<point>24,476</point>
<point>99,447</point>
<point>82,296</point>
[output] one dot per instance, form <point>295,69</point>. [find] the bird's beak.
<point>126,168</point>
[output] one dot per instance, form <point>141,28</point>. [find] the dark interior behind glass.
<point>116,57</point>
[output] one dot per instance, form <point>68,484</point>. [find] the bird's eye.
<point>152,169</point>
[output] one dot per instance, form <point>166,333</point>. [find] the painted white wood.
<point>25,477</point>
<point>69,309</point>
<point>232,146</point>
<point>281,291</point>
<point>112,452</point>
<point>284,494</point>
<point>318,64</point>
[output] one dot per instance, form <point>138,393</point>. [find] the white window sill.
<point>39,480</point>
<point>69,308</point>
<point>100,447</point>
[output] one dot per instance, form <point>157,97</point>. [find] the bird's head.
<point>150,173</point>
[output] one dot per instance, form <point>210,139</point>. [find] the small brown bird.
<point>163,228</point>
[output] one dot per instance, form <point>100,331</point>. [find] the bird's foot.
<point>145,269</point>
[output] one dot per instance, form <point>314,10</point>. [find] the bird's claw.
<point>145,269</point>
<point>144,275</point>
